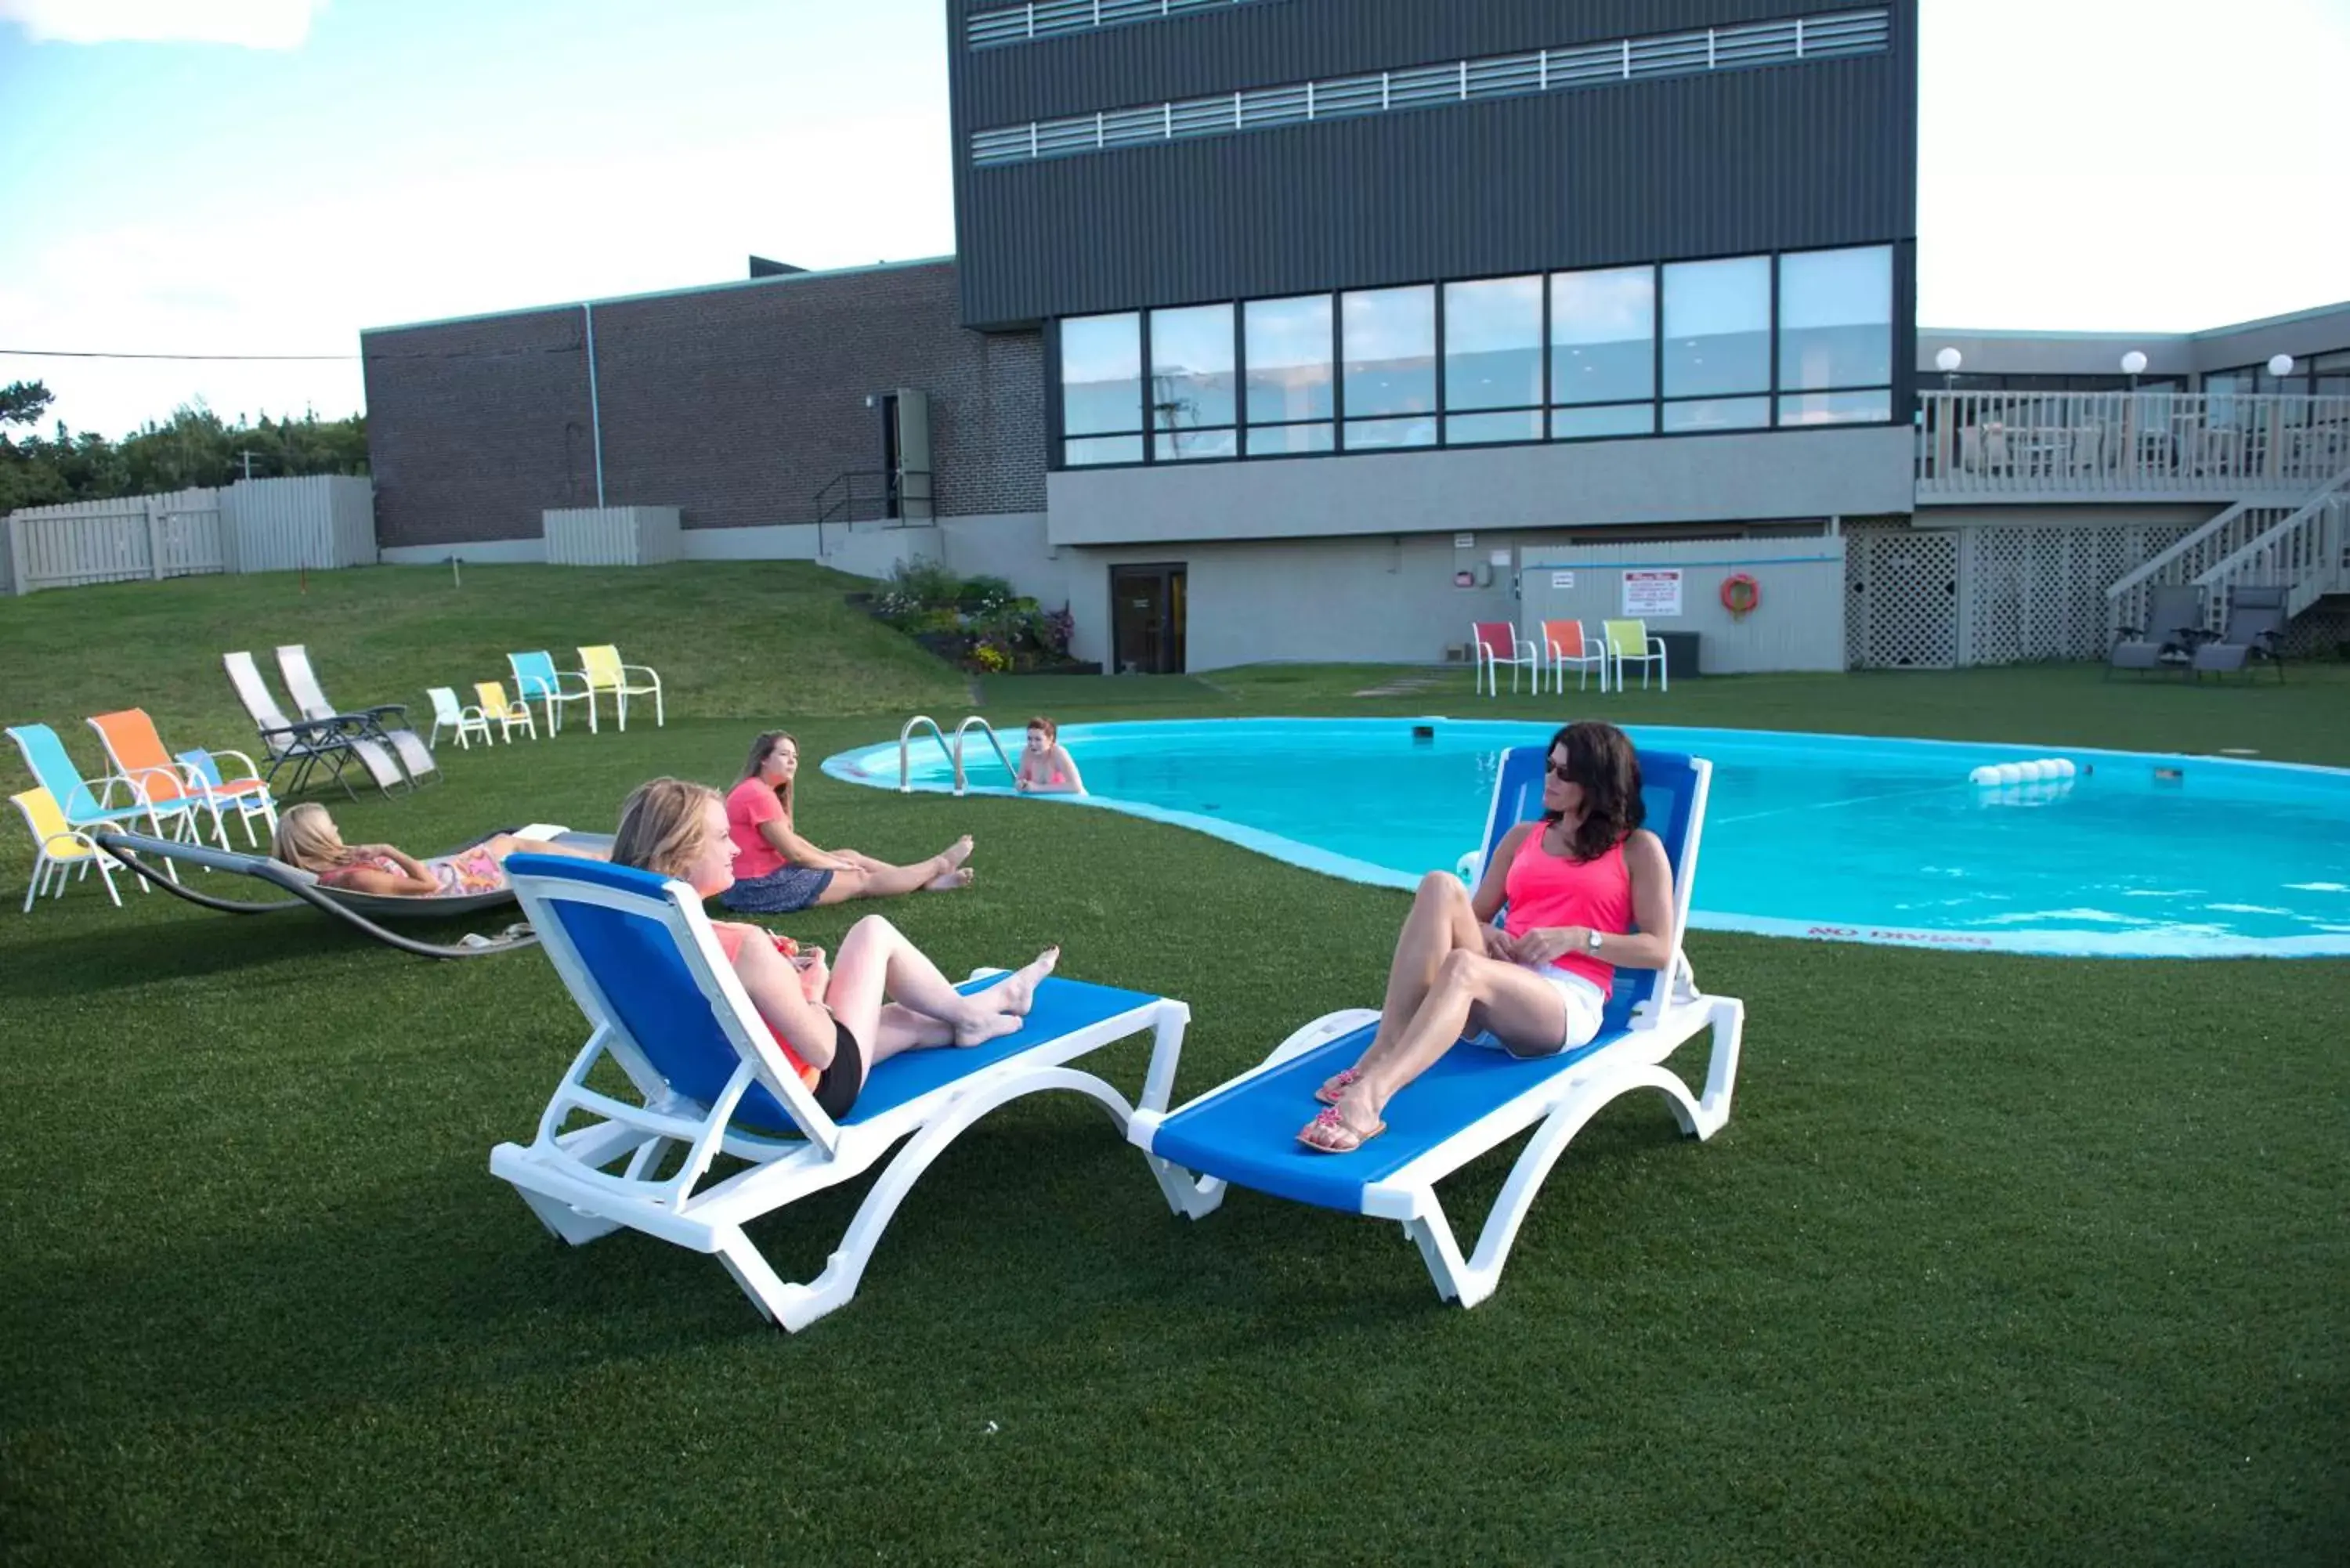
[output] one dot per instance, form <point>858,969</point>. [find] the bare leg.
<point>1016,991</point>
<point>501,845</point>
<point>903,1029</point>
<point>881,881</point>
<point>1441,922</point>
<point>876,964</point>
<point>1511,1002</point>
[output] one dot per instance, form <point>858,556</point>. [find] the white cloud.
<point>248,23</point>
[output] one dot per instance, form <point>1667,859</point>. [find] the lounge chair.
<point>306,745</point>
<point>2173,625</point>
<point>665,1009</point>
<point>1496,643</point>
<point>138,754</point>
<point>2255,630</point>
<point>1565,644</point>
<point>1631,642</point>
<point>112,800</point>
<point>537,680</point>
<point>450,713</point>
<point>244,793</point>
<point>60,851</point>
<point>1244,1133</point>
<point>364,911</point>
<point>508,713</point>
<point>370,723</point>
<point>605,673</point>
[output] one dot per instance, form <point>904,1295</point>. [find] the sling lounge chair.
<point>109,800</point>
<point>665,1009</point>
<point>2173,625</point>
<point>606,673</point>
<point>1563,644</point>
<point>221,792</point>
<point>451,714</point>
<point>507,710</point>
<point>537,680</point>
<point>138,754</point>
<point>1631,642</point>
<point>1473,1100</point>
<point>370,723</point>
<point>1496,643</point>
<point>2255,631</point>
<point>307,744</point>
<point>60,851</point>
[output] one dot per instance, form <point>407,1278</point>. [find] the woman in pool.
<point>1045,765</point>
<point>1587,891</point>
<point>307,838</point>
<point>780,871</point>
<point>832,1025</point>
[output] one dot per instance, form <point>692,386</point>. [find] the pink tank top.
<point>1546,889</point>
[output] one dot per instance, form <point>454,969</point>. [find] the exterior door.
<point>1146,617</point>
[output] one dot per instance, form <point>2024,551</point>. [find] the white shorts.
<point>1586,1002</point>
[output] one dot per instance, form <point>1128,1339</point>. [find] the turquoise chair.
<point>537,680</point>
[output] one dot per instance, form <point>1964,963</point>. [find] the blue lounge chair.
<point>665,1008</point>
<point>1244,1133</point>
<point>537,680</point>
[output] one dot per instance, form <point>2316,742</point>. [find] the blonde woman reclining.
<point>308,840</point>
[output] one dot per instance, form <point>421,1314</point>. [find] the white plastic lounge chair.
<point>306,745</point>
<point>666,1010</point>
<point>451,714</point>
<point>1244,1133</point>
<point>367,726</point>
<point>537,680</point>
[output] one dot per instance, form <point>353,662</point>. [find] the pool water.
<point>1845,838</point>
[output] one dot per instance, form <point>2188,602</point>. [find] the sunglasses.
<point>1562,772</point>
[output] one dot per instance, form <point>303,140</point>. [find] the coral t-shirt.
<point>748,804</point>
<point>730,938</point>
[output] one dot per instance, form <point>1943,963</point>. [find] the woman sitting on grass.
<point>832,1025</point>
<point>780,871</point>
<point>306,839</point>
<point>1045,765</point>
<point>1589,891</point>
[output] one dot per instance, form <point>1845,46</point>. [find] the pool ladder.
<point>954,753</point>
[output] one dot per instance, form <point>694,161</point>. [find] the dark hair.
<point>1052,731</point>
<point>761,750</point>
<point>1600,758</point>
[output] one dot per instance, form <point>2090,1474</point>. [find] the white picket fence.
<point>320,521</point>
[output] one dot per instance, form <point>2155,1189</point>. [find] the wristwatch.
<point>1591,940</point>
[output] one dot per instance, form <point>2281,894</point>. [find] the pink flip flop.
<point>1332,1126</point>
<point>1336,1085</point>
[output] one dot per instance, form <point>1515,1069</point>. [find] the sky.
<point>269,177</point>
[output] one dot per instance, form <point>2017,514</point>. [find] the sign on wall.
<point>1653,592</point>
<point>1561,579</point>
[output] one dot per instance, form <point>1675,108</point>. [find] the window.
<point>1836,336</point>
<point>1389,337</point>
<point>1286,347</point>
<point>1603,350</point>
<point>1493,359</point>
<point>1192,404</point>
<point>1101,390</point>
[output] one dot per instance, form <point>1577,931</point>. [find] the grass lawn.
<point>1999,1260</point>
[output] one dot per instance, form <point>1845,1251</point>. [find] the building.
<point>1298,328</point>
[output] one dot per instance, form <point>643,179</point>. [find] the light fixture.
<point>1947,361</point>
<point>2280,366</point>
<point>2133,363</point>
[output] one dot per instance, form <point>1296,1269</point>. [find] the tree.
<point>24,403</point>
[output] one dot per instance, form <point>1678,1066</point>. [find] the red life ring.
<point>1740,595</point>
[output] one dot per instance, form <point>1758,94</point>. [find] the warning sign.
<point>1653,593</point>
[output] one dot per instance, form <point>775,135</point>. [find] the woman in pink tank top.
<point>1584,891</point>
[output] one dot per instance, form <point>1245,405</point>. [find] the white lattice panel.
<point>1902,612</point>
<point>2039,593</point>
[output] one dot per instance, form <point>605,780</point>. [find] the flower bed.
<point>978,624</point>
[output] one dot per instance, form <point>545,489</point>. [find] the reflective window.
<point>1390,338</point>
<point>1492,346</point>
<point>1366,435</point>
<point>1835,319</point>
<point>1518,424</point>
<point>1192,389</point>
<point>1603,336</point>
<point>1717,414</point>
<point>1605,420</point>
<point>1717,327</point>
<point>1102,387</point>
<point>1287,350</point>
<point>1282,441</point>
<point>1836,407</point>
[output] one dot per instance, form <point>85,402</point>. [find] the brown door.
<point>1146,617</point>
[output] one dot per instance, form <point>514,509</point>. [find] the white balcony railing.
<point>2126,445</point>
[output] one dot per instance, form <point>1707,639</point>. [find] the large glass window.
<point>1603,350</point>
<point>1718,343</point>
<point>1836,336</point>
<point>1101,390</point>
<point>1285,344</point>
<point>1192,391</point>
<point>1388,338</point>
<point>1493,359</point>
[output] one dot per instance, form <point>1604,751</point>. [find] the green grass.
<point>1999,1260</point>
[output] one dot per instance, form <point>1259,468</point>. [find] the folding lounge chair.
<point>605,672</point>
<point>306,745</point>
<point>138,754</point>
<point>2257,618</point>
<point>366,911</point>
<point>1496,643</point>
<point>1244,1133</point>
<point>666,1009</point>
<point>496,704</point>
<point>2173,625</point>
<point>110,801</point>
<point>245,794</point>
<point>58,851</point>
<point>537,680</point>
<point>1631,642</point>
<point>370,723</point>
<point>450,713</point>
<point>1565,644</point>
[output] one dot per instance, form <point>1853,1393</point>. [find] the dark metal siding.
<point>1775,158</point>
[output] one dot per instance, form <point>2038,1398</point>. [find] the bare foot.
<point>958,852</point>
<point>1016,992</point>
<point>988,1026</point>
<point>947,881</point>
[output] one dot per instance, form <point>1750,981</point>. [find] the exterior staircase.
<point>2304,547</point>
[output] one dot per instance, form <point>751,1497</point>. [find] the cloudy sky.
<point>252,177</point>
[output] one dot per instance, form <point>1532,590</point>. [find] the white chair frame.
<point>51,871</point>
<point>467,719</point>
<point>1592,660</point>
<point>248,804</point>
<point>1524,656</point>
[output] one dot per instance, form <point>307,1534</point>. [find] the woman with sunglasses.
<point>1583,890</point>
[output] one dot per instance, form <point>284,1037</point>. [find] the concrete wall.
<point>1797,622</point>
<point>1811,473</point>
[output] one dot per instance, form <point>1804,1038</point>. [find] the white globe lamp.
<point>2280,366</point>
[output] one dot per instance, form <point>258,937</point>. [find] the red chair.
<point>1497,643</point>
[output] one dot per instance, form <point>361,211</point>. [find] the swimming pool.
<point>1841,837</point>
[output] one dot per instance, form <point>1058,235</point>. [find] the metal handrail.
<point>993,739</point>
<point>954,753</point>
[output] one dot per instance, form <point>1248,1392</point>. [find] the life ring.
<point>1739,594</point>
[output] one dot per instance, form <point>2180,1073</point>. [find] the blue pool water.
<point>1844,838</point>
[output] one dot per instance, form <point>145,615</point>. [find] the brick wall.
<point>736,404</point>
